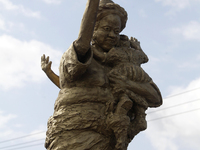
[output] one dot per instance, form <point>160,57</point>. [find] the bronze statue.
<point>104,92</point>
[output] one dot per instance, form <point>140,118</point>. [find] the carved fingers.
<point>135,43</point>
<point>45,64</point>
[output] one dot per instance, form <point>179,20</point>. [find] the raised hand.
<point>46,64</point>
<point>135,43</point>
<point>46,67</point>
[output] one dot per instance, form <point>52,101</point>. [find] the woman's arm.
<point>148,90</point>
<point>82,44</point>
<point>46,67</point>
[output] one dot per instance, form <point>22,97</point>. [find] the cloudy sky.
<point>169,32</point>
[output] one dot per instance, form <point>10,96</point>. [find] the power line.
<point>174,115</point>
<point>43,131</point>
<point>181,93</point>
<point>21,137</point>
<point>25,146</point>
<point>148,121</point>
<point>21,144</point>
<point>148,113</point>
<point>174,106</point>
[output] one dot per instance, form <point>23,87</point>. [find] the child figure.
<point>125,61</point>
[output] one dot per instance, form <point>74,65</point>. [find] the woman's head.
<point>111,20</point>
<point>107,7</point>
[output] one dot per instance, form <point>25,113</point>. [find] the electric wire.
<point>21,144</point>
<point>21,137</point>
<point>173,115</point>
<point>26,146</point>
<point>173,106</point>
<point>181,93</point>
<point>148,120</point>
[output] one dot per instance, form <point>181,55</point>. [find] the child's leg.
<point>119,125</point>
<point>123,106</point>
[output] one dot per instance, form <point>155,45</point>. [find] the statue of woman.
<point>86,115</point>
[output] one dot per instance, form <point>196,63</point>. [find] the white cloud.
<point>52,1</point>
<point>2,24</point>
<point>190,31</point>
<point>39,133</point>
<point>8,5</point>
<point>142,13</point>
<point>6,131</point>
<point>5,119</point>
<point>8,26</point>
<point>10,130</point>
<point>168,133</point>
<point>179,4</point>
<point>20,61</point>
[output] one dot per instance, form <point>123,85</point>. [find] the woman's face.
<point>107,34</point>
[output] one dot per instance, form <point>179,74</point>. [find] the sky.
<point>169,33</point>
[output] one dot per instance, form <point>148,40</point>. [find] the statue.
<point>104,92</point>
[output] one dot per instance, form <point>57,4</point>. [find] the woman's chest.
<point>95,75</point>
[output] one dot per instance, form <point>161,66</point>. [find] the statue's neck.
<point>99,54</point>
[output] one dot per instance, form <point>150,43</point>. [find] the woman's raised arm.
<point>82,44</point>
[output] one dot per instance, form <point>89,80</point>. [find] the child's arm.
<point>46,67</point>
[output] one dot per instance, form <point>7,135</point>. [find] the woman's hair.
<point>111,8</point>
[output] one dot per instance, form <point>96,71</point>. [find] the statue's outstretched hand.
<point>46,64</point>
<point>46,67</point>
<point>135,43</point>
